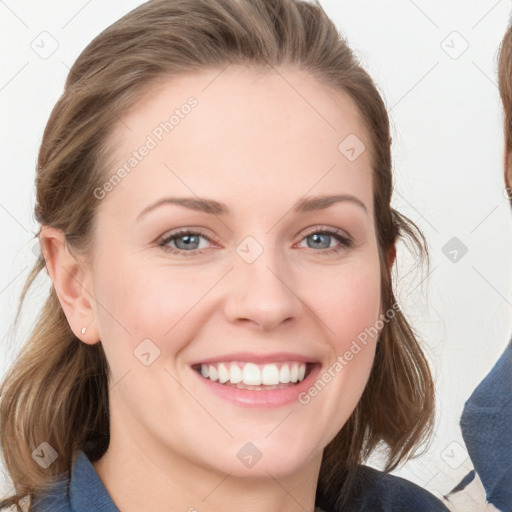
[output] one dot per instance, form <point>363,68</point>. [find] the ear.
<point>391,256</point>
<point>69,278</point>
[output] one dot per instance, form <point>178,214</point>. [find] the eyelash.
<point>345,241</point>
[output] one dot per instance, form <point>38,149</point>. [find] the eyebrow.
<point>215,208</point>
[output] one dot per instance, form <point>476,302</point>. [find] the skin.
<point>258,146</point>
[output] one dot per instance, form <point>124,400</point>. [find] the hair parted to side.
<point>57,390</point>
<point>505,87</point>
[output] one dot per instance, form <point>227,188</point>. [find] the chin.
<point>279,457</point>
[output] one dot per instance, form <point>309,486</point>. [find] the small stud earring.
<point>83,330</point>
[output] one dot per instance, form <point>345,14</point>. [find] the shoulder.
<point>376,491</point>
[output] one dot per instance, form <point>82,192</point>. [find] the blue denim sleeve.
<point>486,425</point>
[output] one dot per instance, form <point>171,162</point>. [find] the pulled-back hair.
<point>57,389</point>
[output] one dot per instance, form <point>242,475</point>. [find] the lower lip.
<point>270,398</point>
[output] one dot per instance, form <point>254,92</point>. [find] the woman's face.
<point>240,243</point>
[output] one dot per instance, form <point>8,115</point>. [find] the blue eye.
<point>319,240</point>
<point>187,241</point>
<point>322,239</point>
<point>192,243</point>
<point>184,242</point>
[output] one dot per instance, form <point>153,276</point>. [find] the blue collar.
<point>86,490</point>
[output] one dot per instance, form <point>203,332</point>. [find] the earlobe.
<point>69,280</point>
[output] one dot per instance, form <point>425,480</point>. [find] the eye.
<point>185,241</point>
<point>324,239</point>
<point>188,242</point>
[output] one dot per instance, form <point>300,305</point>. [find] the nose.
<point>263,293</point>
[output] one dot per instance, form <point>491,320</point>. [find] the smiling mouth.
<point>256,377</point>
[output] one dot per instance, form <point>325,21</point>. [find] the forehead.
<point>279,131</point>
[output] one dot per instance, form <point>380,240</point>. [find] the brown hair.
<point>505,86</point>
<point>57,389</point>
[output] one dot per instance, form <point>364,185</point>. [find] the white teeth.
<point>302,372</point>
<point>212,373</point>
<point>235,374</point>
<point>223,373</point>
<point>284,374</point>
<point>294,373</point>
<point>252,374</point>
<point>270,375</point>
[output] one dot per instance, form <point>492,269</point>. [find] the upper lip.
<point>251,357</point>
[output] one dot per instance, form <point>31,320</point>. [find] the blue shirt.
<point>85,492</point>
<point>486,424</point>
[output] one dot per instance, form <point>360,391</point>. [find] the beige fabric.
<point>470,499</point>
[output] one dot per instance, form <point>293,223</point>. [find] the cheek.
<point>141,301</point>
<point>349,307</point>
<point>349,302</point>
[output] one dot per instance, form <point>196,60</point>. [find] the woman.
<point>214,193</point>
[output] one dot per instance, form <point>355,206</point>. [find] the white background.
<point>447,147</point>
